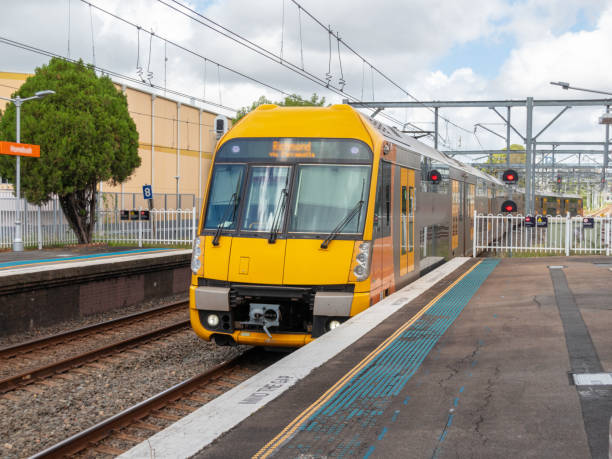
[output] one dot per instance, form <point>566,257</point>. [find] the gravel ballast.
<point>21,337</point>
<point>41,415</point>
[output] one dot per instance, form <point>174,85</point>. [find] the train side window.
<point>404,221</point>
<point>410,218</point>
<point>386,169</point>
<point>378,203</point>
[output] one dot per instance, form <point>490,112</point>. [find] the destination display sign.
<point>291,150</point>
<point>295,150</point>
<point>19,149</point>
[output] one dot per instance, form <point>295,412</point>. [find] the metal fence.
<point>164,227</point>
<point>561,235</point>
<point>46,226</point>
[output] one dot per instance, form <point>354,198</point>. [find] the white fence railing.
<point>559,235</point>
<point>164,227</point>
<point>46,226</point>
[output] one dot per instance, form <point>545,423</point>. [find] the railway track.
<point>35,360</point>
<point>121,432</point>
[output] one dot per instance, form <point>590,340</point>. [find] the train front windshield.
<point>320,185</point>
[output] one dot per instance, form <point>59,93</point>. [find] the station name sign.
<point>19,149</point>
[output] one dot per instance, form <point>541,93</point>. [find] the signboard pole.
<point>18,241</point>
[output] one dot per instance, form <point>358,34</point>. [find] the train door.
<point>470,197</point>
<point>455,211</point>
<point>407,210</point>
<point>382,255</point>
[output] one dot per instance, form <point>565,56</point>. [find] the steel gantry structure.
<point>530,140</point>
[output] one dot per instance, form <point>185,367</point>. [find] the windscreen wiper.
<point>278,216</point>
<point>233,201</point>
<point>354,211</point>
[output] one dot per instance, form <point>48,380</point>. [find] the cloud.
<point>404,39</point>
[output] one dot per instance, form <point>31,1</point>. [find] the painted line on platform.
<point>290,429</point>
<point>194,432</point>
<point>17,263</point>
<point>106,259</point>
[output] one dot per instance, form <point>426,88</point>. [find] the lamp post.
<point>18,101</point>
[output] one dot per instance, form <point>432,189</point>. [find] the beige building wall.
<point>176,141</point>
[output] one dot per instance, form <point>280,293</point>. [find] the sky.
<point>430,49</point>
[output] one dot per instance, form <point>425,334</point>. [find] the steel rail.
<point>98,432</point>
<point>21,348</point>
<point>27,377</point>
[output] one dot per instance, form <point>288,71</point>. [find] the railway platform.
<point>479,358</point>
<point>40,288</point>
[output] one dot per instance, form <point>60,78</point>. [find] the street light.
<point>565,85</point>
<point>18,101</point>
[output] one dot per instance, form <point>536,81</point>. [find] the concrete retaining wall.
<point>36,299</point>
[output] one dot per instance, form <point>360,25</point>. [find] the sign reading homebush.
<point>19,149</point>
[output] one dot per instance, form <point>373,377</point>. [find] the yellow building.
<point>176,141</point>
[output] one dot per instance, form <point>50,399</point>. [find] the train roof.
<point>337,121</point>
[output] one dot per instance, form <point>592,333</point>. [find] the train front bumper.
<point>327,307</point>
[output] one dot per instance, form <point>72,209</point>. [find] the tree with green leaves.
<point>292,100</point>
<point>515,158</point>
<point>86,136</point>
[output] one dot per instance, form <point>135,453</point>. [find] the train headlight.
<point>333,324</point>
<point>196,264</point>
<point>212,320</point>
<point>360,269</point>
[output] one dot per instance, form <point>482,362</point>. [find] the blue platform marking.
<point>369,452</point>
<point>372,388</point>
<point>79,257</point>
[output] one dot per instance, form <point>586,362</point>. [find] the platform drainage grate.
<point>593,379</point>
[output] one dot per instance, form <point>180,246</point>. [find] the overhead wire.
<point>42,52</point>
<point>224,31</point>
<point>374,68</point>
<point>187,50</point>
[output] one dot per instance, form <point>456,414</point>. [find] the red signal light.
<point>508,206</point>
<point>434,177</point>
<point>510,177</point>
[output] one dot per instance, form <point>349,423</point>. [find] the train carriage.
<point>313,214</point>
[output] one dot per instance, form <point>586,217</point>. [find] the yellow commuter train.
<point>312,214</point>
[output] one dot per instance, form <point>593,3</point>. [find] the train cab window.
<point>225,195</point>
<point>325,195</point>
<point>266,196</point>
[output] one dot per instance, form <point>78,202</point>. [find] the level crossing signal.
<point>434,177</point>
<point>510,177</point>
<point>559,180</point>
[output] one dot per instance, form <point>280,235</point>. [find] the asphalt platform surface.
<point>498,381</point>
